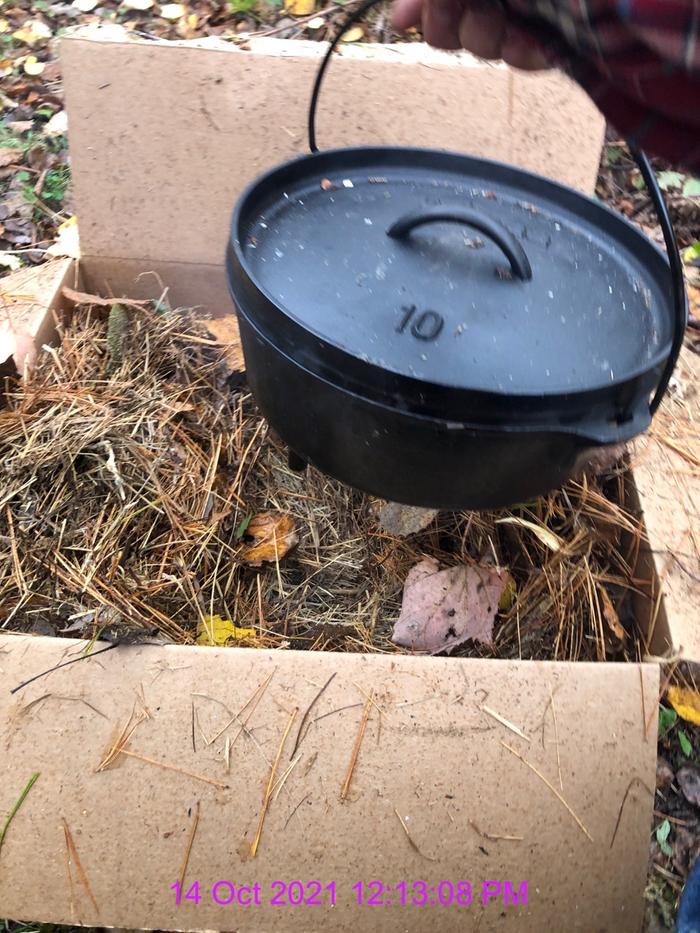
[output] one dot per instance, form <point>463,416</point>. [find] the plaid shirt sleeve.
<point>639,60</point>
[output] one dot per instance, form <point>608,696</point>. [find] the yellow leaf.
<point>273,534</point>
<point>508,596</point>
<point>32,32</point>
<point>547,537</point>
<point>68,241</point>
<point>4,25</point>
<point>300,7</point>
<point>213,630</point>
<point>32,66</point>
<point>353,35</point>
<point>686,703</point>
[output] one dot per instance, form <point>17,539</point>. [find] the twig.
<point>162,764</point>
<point>503,721</point>
<point>635,780</point>
<point>411,841</point>
<point>270,783</point>
<point>190,841</point>
<point>194,743</point>
<point>551,787</point>
<point>556,736</point>
<point>20,800</point>
<point>356,747</point>
<point>73,853</point>
<point>82,657</point>
<point>308,710</point>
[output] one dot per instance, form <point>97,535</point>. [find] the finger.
<point>482,31</point>
<point>406,13</point>
<point>524,52</point>
<point>441,23</point>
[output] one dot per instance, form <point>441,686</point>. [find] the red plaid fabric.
<point>638,59</point>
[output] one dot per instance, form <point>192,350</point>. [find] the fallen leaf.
<point>57,125</point>
<point>404,520</point>
<point>685,744</point>
<point>610,615</point>
<point>172,11</point>
<point>668,180</point>
<point>688,778</point>
<point>4,25</point>
<point>32,32</point>
<point>273,535</point>
<point>225,331</point>
<point>691,188</point>
<point>441,609</point>
<point>686,703</point>
<point>353,35</point>
<point>686,847</point>
<point>213,630</point>
<point>9,261</point>
<point>85,6</point>
<point>300,7</point>
<point>32,66</point>
<point>664,774</point>
<point>68,241</point>
<point>318,22</point>
<point>547,537</point>
<point>137,4</point>
<point>10,156</point>
<point>508,596</point>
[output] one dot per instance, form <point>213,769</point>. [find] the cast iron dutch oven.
<point>446,331</point>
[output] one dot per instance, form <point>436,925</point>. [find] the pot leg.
<point>296,462</point>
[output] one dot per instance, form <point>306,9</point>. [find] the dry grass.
<point>124,490</point>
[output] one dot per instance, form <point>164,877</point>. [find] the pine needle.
<point>356,747</point>
<point>20,800</point>
<point>551,787</point>
<point>270,785</point>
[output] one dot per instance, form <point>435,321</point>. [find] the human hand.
<point>480,26</point>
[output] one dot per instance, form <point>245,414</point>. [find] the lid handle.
<point>509,244</point>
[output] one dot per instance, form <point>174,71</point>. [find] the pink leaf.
<point>444,608</point>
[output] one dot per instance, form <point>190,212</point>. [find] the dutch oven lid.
<point>451,270</point>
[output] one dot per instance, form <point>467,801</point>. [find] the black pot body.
<point>369,446</point>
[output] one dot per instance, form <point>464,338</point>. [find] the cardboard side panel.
<point>666,474</point>
<point>157,175</point>
<point>27,300</point>
<point>188,286</point>
<point>429,753</point>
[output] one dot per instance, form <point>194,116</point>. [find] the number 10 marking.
<point>426,326</point>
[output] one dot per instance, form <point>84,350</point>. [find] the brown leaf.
<point>688,778</point>
<point>444,608</point>
<point>273,535</point>
<point>404,520</point>
<point>9,156</point>
<point>610,615</point>
<point>225,332</point>
<point>83,298</point>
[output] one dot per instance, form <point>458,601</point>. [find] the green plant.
<point>686,747</point>
<point>663,831</point>
<point>667,720</point>
<point>241,6</point>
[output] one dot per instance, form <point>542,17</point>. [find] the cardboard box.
<point>436,794</point>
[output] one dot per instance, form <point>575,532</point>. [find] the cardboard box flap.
<point>435,794</point>
<point>156,175</point>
